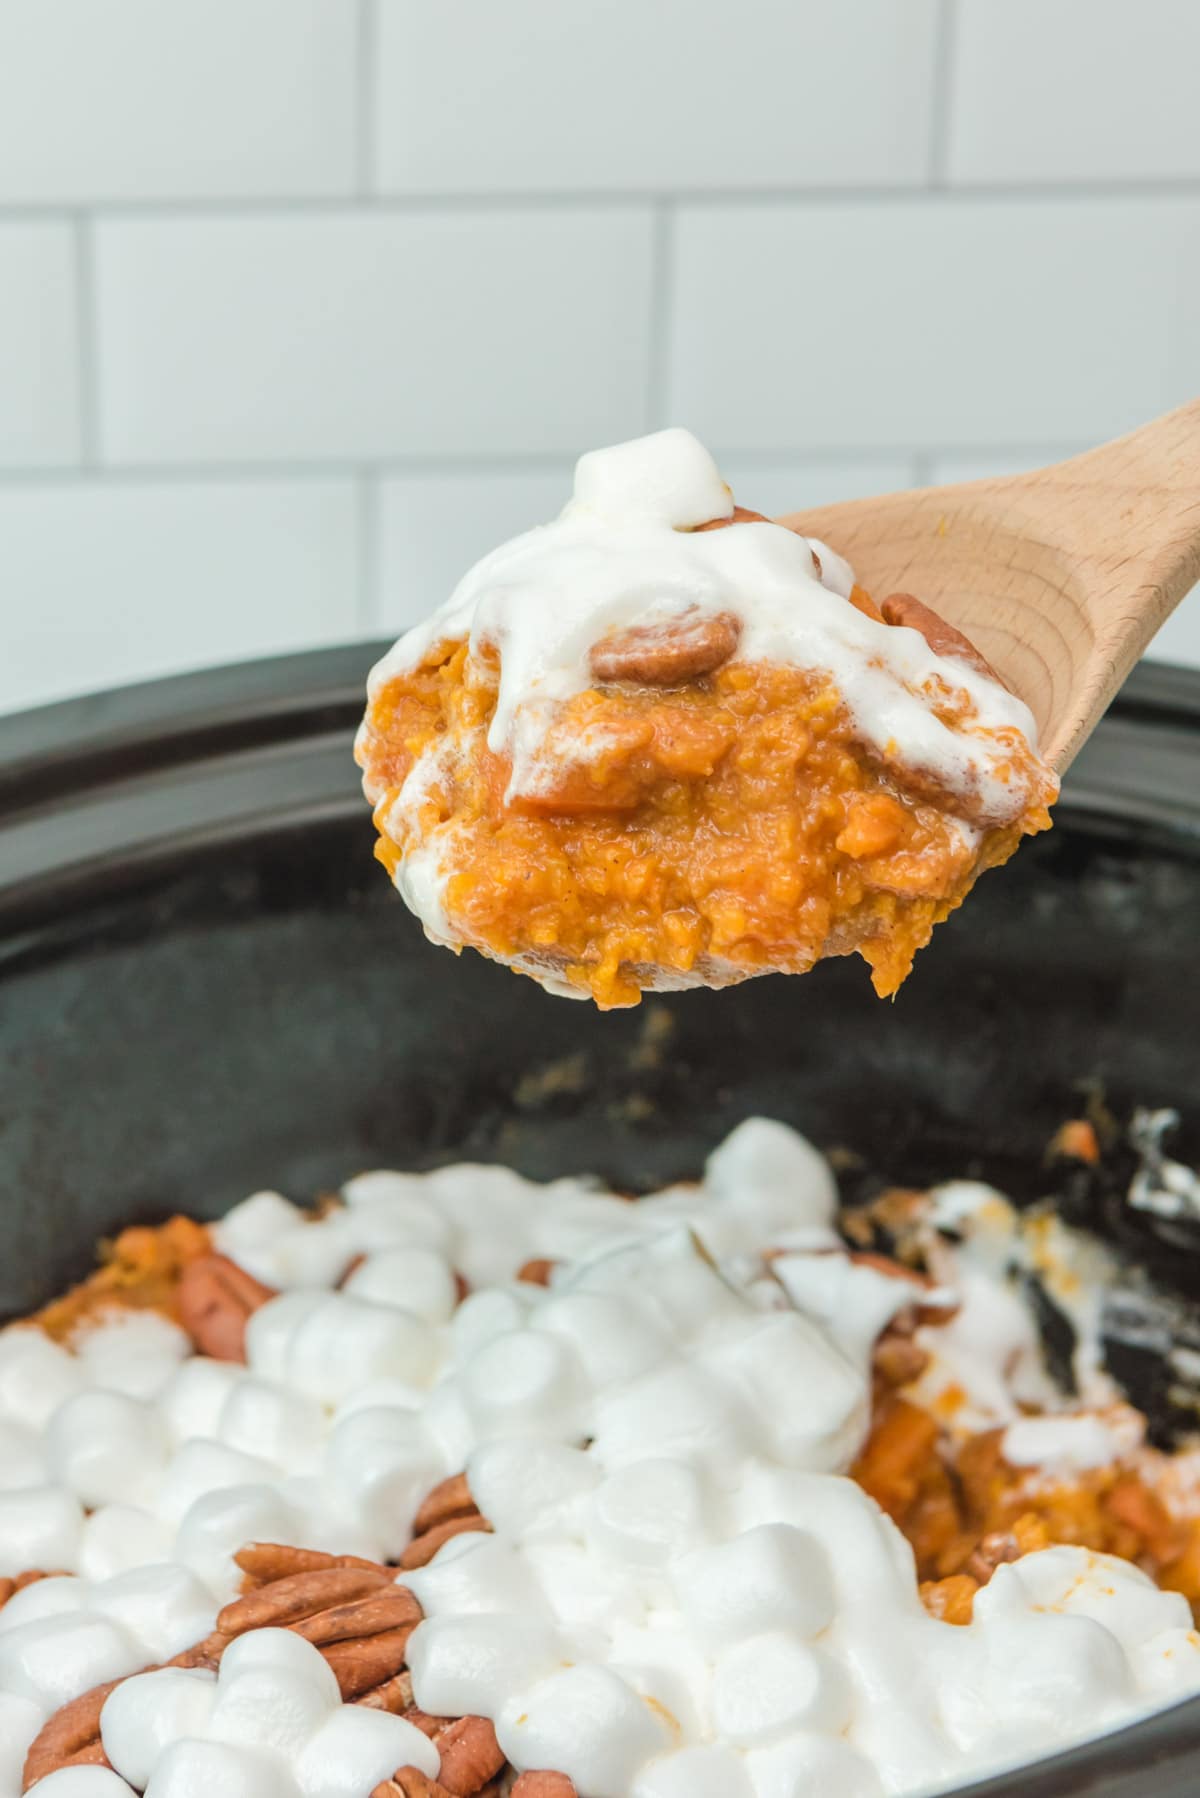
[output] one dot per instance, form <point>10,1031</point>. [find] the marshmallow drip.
<point>683,1595</point>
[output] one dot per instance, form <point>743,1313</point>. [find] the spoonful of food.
<point>1060,577</point>
<point>664,741</point>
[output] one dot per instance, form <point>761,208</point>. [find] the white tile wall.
<point>933,322</point>
<point>638,95</point>
<point>39,340</point>
<point>176,99</point>
<point>367,335</point>
<point>304,303</point>
<point>432,527</point>
<point>115,582</point>
<point>1075,90</point>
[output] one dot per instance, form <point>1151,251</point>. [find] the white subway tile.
<point>39,361</point>
<point>932,322</point>
<point>989,465</point>
<point>629,96</point>
<point>790,484</point>
<point>1074,90</point>
<point>433,527</point>
<point>162,99</point>
<point>372,334</point>
<point>110,583</point>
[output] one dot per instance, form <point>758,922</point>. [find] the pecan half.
<point>449,1498</point>
<point>216,1300</point>
<point>421,1551</point>
<point>262,1562</point>
<point>544,1785</point>
<point>471,1755</point>
<point>941,636</point>
<point>992,1552</point>
<point>670,652</point>
<point>537,1271</point>
<point>448,1511</point>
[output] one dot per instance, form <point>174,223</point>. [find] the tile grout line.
<point>86,342</point>
<point>375,205</point>
<point>364,84</point>
<point>943,95</point>
<point>466,466</point>
<point>662,294</point>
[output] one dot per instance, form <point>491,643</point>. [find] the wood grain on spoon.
<point>1060,577</point>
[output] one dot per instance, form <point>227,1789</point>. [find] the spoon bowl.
<point>1060,577</point>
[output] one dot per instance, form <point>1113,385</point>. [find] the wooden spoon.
<point>1060,577</point>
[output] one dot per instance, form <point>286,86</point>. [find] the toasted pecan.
<point>298,1597</point>
<point>471,1755</point>
<point>942,637</point>
<point>216,1300</point>
<point>266,1561</point>
<point>449,1498</point>
<point>544,1785</point>
<point>536,1272</point>
<point>670,651</point>
<point>422,1549</point>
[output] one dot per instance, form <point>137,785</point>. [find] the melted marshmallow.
<point>623,552</point>
<point>683,1597</point>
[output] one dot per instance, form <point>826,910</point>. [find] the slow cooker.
<point>207,986</point>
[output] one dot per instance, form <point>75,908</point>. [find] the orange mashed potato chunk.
<point>728,826</point>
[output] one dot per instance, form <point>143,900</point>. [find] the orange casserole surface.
<point>706,831</point>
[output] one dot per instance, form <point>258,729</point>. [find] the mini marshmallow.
<point>193,1399</point>
<point>57,1597</point>
<point>474,1574</point>
<point>165,1608</point>
<point>1080,1583</point>
<point>526,1485</point>
<point>812,1400</point>
<point>522,1384</point>
<point>770,1182</point>
<point>483,1316</point>
<point>464,1666</point>
<point>586,1722</point>
<point>614,1340</point>
<point>58,1658</point>
<point>219,1523</point>
<point>346,1340</point>
<point>773,1685</point>
<point>22,1458</point>
<point>40,1526</point>
<point>282,1651</point>
<point>107,1448</point>
<point>117,1538</point>
<point>417,1280</point>
<point>355,1750</point>
<point>670,1275</point>
<point>679,1412</point>
<point>201,1468</point>
<point>770,1577</point>
<point>36,1376</point>
<point>196,1769</point>
<point>695,1773</point>
<point>386,1463</point>
<point>20,1720</point>
<point>805,1764</point>
<point>271,1331</point>
<point>144,1715</point>
<point>134,1352</point>
<point>449,1422</point>
<point>649,1512</point>
<point>83,1782</point>
<point>265,1419</point>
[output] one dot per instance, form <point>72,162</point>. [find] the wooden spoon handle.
<point>1061,576</point>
